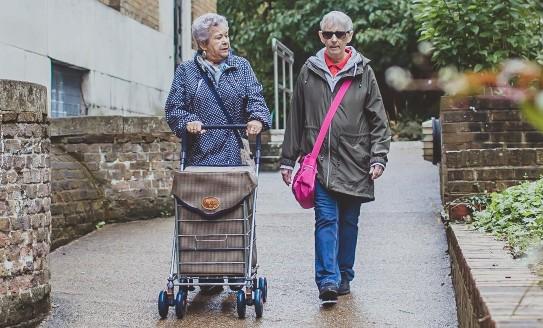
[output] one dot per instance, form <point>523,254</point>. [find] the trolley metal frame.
<point>248,281</point>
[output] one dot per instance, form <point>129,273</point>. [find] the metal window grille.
<point>66,97</point>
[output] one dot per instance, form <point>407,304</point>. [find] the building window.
<point>66,97</point>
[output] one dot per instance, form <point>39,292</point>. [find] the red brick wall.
<point>486,149</point>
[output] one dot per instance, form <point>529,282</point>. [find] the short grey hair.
<point>337,18</point>
<point>202,24</point>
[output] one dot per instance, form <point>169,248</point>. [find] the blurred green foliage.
<point>384,31</point>
<point>407,127</point>
<point>480,34</point>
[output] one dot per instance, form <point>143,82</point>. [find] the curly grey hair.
<point>337,18</point>
<point>202,24</point>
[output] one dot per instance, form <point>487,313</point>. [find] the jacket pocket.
<point>354,153</point>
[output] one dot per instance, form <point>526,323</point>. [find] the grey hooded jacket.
<point>359,135</point>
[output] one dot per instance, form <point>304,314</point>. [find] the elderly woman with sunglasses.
<point>215,88</point>
<point>353,155</point>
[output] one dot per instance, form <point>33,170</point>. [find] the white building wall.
<point>130,65</point>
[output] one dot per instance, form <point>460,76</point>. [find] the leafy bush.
<point>479,34</point>
<point>514,215</point>
<point>406,130</point>
<point>408,126</point>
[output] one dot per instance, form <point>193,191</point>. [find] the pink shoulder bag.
<point>303,185</point>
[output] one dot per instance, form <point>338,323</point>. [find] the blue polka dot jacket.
<point>190,99</point>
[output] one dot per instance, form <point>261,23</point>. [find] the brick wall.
<point>202,7</point>
<point>487,148</point>
<point>24,203</point>
<point>110,169</point>
<point>144,11</point>
<point>115,4</point>
<point>77,198</point>
<point>147,11</point>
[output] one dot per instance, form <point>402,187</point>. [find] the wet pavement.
<point>111,277</point>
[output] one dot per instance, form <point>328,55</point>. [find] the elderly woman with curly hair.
<point>192,102</point>
<point>215,88</point>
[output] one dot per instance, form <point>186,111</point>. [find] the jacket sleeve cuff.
<point>287,162</point>
<point>379,160</point>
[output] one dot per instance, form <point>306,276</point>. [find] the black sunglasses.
<point>339,34</point>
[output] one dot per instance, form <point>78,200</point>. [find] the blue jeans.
<point>336,231</point>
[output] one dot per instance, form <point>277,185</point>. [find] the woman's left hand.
<point>254,127</point>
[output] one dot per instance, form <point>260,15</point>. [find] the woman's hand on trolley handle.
<point>254,127</point>
<point>195,127</point>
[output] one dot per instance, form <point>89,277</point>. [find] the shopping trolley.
<point>214,234</point>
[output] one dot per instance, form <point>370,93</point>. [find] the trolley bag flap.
<point>212,191</point>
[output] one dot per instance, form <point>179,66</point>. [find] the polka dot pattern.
<point>190,99</point>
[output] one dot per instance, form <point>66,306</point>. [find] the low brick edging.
<point>492,289</point>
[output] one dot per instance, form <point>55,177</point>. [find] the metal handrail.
<point>287,57</point>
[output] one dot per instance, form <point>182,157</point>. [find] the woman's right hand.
<point>195,127</point>
<point>287,176</point>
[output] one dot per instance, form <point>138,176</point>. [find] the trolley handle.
<point>224,126</point>
<point>184,140</point>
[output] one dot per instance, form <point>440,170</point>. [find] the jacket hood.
<point>354,66</point>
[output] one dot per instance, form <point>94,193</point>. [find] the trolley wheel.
<point>259,303</point>
<point>240,303</point>
<point>181,303</point>
<point>263,286</point>
<point>163,305</point>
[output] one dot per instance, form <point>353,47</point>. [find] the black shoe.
<point>344,288</point>
<point>328,292</point>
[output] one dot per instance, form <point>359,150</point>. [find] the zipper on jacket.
<point>329,155</point>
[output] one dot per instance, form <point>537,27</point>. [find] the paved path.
<point>111,277</point>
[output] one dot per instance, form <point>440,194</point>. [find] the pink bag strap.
<point>328,119</point>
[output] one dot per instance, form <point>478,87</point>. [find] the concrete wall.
<point>25,217</point>
<point>130,65</point>
<point>486,149</point>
